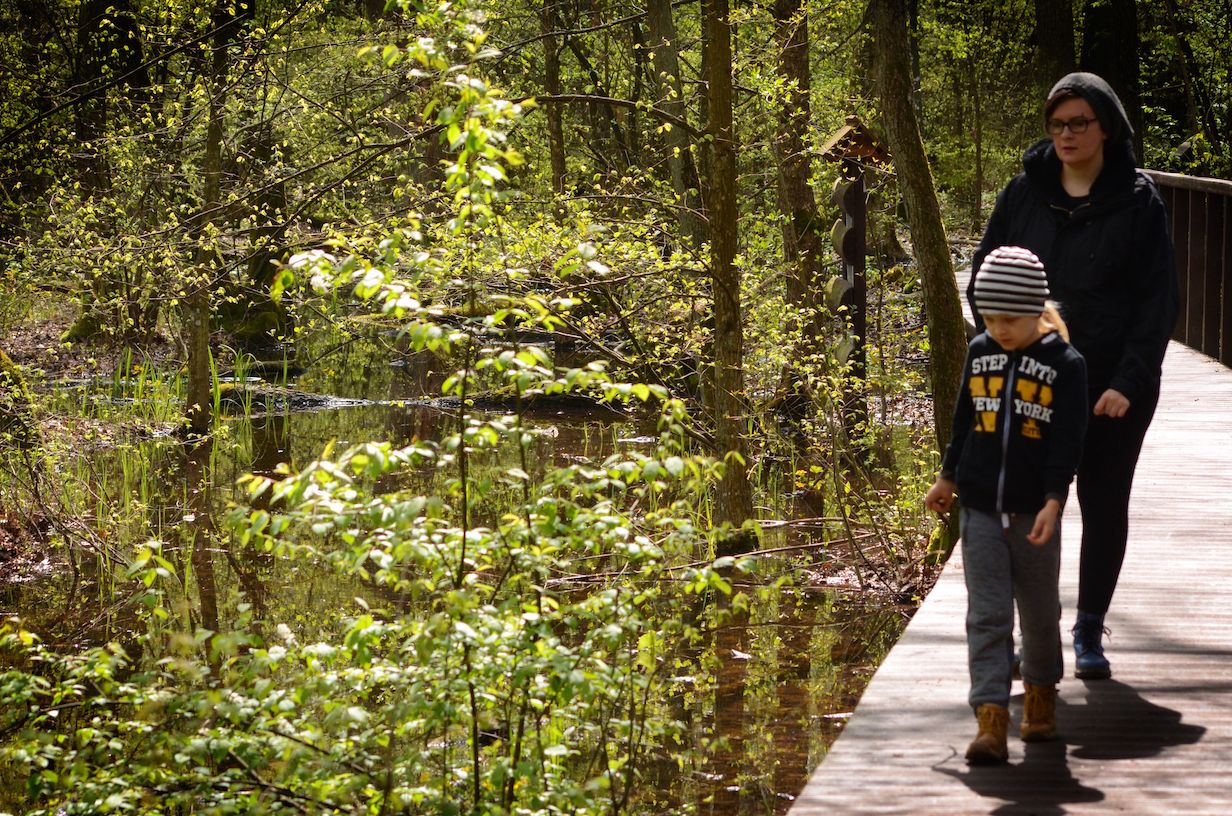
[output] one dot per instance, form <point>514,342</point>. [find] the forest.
<point>496,407</point>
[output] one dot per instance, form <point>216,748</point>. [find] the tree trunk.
<point>608,134</point>
<point>197,303</point>
<point>671,101</point>
<point>107,46</point>
<point>913,37</point>
<point>946,328</point>
<point>551,84</point>
<point>735,503</point>
<point>99,53</point>
<point>197,306</point>
<point>801,236</point>
<point>1110,49</point>
<point>1054,41</point>
<point>977,140</point>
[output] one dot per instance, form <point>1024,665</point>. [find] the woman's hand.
<point>1112,403</point>
<point>1045,523</point>
<point>940,497</point>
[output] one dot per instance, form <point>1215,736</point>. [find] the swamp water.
<point>784,675</point>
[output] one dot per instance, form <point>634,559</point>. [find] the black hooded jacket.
<point>1108,258</point>
<point>1018,426</point>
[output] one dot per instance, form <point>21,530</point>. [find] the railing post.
<point>1201,214</point>
<point>1225,324</point>
<point>1214,292</point>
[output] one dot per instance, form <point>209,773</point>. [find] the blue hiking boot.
<point>1089,660</point>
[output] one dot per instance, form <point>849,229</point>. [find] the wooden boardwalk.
<point>1157,738</point>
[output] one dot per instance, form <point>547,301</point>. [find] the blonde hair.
<point>1050,319</point>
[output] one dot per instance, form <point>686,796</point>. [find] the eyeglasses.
<point>1076,125</point>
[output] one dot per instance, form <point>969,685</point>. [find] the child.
<point>1018,430</point>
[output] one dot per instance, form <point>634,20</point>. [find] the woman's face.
<point>1077,150</point>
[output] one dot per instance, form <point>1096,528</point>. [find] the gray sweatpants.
<point>1001,566</point>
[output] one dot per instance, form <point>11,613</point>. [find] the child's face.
<point>1013,332</point>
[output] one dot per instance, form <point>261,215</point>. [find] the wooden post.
<point>852,147</point>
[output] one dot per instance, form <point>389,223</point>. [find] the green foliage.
<point>511,655</point>
<point>502,685</point>
<point>981,101</point>
<point>307,146</point>
<point>16,419</point>
<point>1187,90</point>
<point>497,675</point>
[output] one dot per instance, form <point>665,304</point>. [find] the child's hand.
<point>940,497</point>
<point>1045,523</point>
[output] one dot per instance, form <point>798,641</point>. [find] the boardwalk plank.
<point>1157,739</point>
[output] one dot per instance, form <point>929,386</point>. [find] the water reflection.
<point>198,534</point>
<point>788,672</point>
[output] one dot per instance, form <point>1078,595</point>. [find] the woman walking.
<point>1101,230</point>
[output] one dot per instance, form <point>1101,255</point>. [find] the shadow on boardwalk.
<point>1040,785</point>
<point>1115,723</point>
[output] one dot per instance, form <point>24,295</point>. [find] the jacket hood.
<point>1106,104</point>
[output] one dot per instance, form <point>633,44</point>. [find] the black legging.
<point>1105,478</point>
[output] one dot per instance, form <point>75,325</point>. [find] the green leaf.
<point>674,466</point>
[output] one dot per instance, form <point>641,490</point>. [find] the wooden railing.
<point>1201,210</point>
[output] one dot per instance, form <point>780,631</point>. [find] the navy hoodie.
<point>1018,426</point>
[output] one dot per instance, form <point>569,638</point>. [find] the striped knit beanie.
<point>1011,281</point>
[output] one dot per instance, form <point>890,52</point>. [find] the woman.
<point>1100,227</point>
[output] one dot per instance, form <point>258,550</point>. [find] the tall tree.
<point>108,52</point>
<point>1054,40</point>
<point>225,23</point>
<point>666,61</point>
<point>551,84</point>
<point>735,496</point>
<point>913,37</point>
<point>1110,49</point>
<point>802,244</point>
<point>108,48</point>
<point>946,327</point>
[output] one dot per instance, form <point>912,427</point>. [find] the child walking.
<point>1017,440</point>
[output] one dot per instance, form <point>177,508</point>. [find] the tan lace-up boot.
<point>988,747</point>
<point>1039,713</point>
